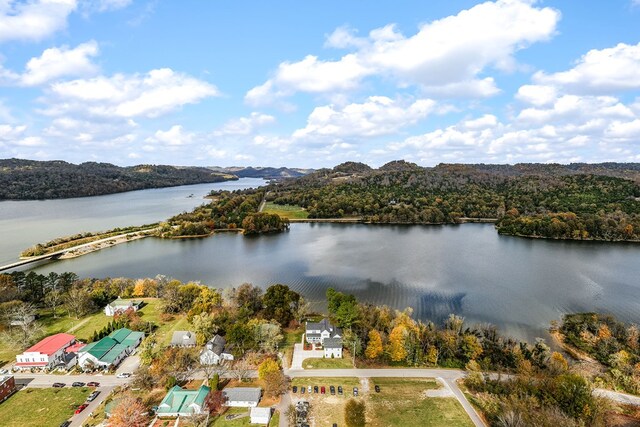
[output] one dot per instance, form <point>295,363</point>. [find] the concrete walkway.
<point>300,354</point>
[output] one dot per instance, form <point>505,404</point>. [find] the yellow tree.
<point>396,348</point>
<point>374,347</point>
<point>138,288</point>
<point>266,367</point>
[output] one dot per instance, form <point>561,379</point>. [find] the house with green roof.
<point>183,403</point>
<point>110,350</point>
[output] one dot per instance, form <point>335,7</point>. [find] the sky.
<point>316,83</point>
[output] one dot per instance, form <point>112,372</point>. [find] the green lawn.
<point>291,337</point>
<point>286,211</point>
<point>41,407</point>
<point>325,363</point>
<point>401,402</point>
<point>244,421</point>
<point>345,382</point>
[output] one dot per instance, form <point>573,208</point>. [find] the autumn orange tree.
<point>129,413</point>
<point>374,348</point>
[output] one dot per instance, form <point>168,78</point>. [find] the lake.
<point>518,284</point>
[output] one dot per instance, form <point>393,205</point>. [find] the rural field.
<point>41,407</point>
<point>286,211</point>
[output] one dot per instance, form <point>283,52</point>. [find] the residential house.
<point>316,333</point>
<point>120,306</point>
<point>260,416</point>
<point>332,347</point>
<point>110,350</point>
<point>215,351</point>
<point>47,353</point>
<point>245,397</point>
<point>183,339</point>
<point>183,403</point>
<point>7,387</point>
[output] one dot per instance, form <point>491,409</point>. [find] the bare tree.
<point>53,299</point>
<point>241,369</point>
<point>23,328</point>
<point>211,369</point>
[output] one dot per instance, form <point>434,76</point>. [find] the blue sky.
<point>316,83</point>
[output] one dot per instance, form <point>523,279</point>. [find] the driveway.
<point>79,419</point>
<point>130,364</point>
<point>299,354</point>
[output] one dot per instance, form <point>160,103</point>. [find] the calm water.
<point>517,284</point>
<point>25,223</point>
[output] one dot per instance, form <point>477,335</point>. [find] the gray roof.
<point>313,335</point>
<point>322,325</point>
<point>183,338</point>
<point>332,343</point>
<point>216,344</point>
<point>243,394</point>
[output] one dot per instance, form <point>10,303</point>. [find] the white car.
<point>123,375</point>
<point>4,371</point>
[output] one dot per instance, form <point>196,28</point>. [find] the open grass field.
<point>325,363</point>
<point>291,337</point>
<point>41,407</point>
<point>402,402</point>
<point>286,211</point>
<point>243,421</point>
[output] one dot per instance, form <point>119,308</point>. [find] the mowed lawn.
<point>328,363</point>
<point>402,402</point>
<point>286,211</point>
<point>41,407</point>
<point>243,421</point>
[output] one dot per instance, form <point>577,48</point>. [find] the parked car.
<point>355,391</point>
<point>58,385</point>
<point>93,396</point>
<point>81,408</point>
<point>340,390</point>
<point>93,384</point>
<point>295,389</point>
<point>123,375</point>
<point>377,388</point>
<point>332,389</point>
<point>322,390</point>
<point>315,389</point>
<point>65,424</point>
<point>309,389</point>
<point>4,371</point>
<point>77,384</point>
<point>302,389</point>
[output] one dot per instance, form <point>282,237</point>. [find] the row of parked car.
<point>323,390</point>
<point>94,394</point>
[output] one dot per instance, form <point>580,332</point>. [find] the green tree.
<point>280,304</point>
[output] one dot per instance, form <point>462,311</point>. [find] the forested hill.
<point>576,201</point>
<point>29,179</point>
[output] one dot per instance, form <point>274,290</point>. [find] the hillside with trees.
<point>576,201</point>
<point>30,179</point>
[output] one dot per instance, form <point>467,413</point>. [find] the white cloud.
<point>378,115</point>
<point>60,62</point>
<point>105,5</point>
<point>599,71</point>
<point>537,95</point>
<point>173,137</point>
<point>33,19</point>
<point>446,57</point>
<point>573,107</point>
<point>244,125</point>
<point>149,95</point>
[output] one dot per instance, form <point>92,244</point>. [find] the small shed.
<point>260,415</point>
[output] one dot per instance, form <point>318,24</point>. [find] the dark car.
<point>65,424</point>
<point>77,384</point>
<point>93,396</point>
<point>93,384</point>
<point>355,391</point>
<point>340,390</point>
<point>377,388</point>
<point>302,390</point>
<point>315,389</point>
<point>295,388</point>
<point>81,408</point>
<point>332,389</point>
<point>322,390</point>
<point>58,385</point>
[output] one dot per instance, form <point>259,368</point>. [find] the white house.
<point>183,339</point>
<point>215,351</point>
<point>318,332</point>
<point>47,353</point>
<point>120,306</point>
<point>332,347</point>
<point>260,416</point>
<point>244,397</point>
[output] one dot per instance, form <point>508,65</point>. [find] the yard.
<point>328,363</point>
<point>243,420</point>
<point>286,211</point>
<point>402,401</point>
<point>41,407</point>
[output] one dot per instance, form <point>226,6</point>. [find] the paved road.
<point>448,376</point>
<point>79,419</point>
<point>46,380</point>
<point>624,398</point>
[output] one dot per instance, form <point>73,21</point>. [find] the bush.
<point>354,413</point>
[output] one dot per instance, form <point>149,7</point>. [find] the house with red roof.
<point>47,353</point>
